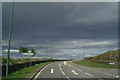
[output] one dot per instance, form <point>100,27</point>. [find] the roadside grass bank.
<point>23,73</point>
<point>17,64</point>
<point>94,64</point>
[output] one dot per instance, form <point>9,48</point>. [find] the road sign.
<point>111,63</point>
<point>30,54</point>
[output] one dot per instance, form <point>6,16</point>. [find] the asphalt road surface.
<point>70,71</point>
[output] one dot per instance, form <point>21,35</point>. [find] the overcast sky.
<point>67,27</point>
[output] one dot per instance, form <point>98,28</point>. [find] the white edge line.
<point>40,72</point>
<point>60,67</point>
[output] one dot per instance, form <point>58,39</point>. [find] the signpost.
<point>9,41</point>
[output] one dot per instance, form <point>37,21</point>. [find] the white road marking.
<point>63,73</point>
<point>51,70</point>
<point>60,67</point>
<point>74,72</point>
<point>69,64</point>
<point>100,72</point>
<point>75,67</point>
<point>88,74</point>
<point>117,76</point>
<point>108,74</point>
<point>114,76</point>
<point>79,70</point>
<point>87,68</point>
<point>100,79</point>
<point>40,72</point>
<point>68,78</point>
<point>97,71</point>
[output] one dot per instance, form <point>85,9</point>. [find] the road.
<point>70,71</point>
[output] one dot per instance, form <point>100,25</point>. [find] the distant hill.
<point>109,56</point>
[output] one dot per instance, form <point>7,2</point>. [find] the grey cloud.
<point>62,23</point>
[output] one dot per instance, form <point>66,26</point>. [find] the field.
<point>94,64</point>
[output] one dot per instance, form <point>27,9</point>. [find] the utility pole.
<point>75,50</point>
<point>46,48</point>
<point>76,53</point>
<point>59,53</point>
<point>84,49</point>
<point>9,41</point>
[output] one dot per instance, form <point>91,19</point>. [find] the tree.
<point>34,52</point>
<point>23,49</point>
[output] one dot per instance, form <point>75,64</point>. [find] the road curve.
<point>70,71</point>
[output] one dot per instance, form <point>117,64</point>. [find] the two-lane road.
<point>71,71</point>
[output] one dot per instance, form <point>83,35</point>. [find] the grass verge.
<point>94,64</point>
<point>22,73</point>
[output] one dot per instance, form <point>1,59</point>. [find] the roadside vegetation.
<point>20,68</point>
<point>12,61</point>
<point>25,72</point>
<point>109,56</point>
<point>94,64</point>
<point>102,60</point>
<point>25,60</point>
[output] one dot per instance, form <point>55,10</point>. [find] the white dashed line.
<point>74,72</point>
<point>75,67</point>
<point>100,79</point>
<point>63,73</point>
<point>101,72</point>
<point>88,74</point>
<point>68,78</point>
<point>109,74</point>
<point>79,70</point>
<point>117,76</point>
<point>69,64</point>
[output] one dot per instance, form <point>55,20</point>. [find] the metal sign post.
<point>9,41</point>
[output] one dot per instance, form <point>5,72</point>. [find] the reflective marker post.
<point>9,41</point>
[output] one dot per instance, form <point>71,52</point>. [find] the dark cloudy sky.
<point>94,24</point>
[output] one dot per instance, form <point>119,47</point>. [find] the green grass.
<point>22,73</point>
<point>94,64</point>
